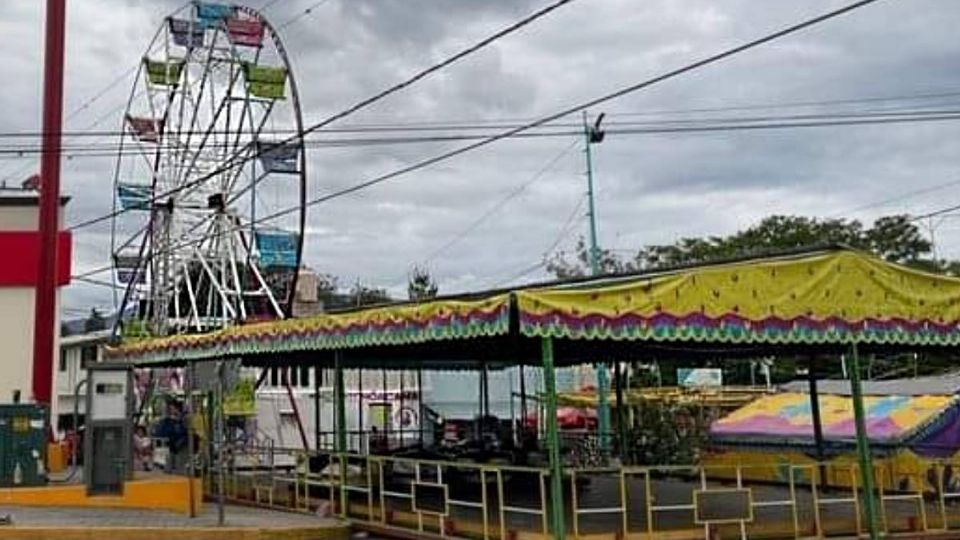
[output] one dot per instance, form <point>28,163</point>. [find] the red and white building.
<point>19,270</point>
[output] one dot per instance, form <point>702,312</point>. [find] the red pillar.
<point>45,305</point>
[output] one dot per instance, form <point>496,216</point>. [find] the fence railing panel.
<point>502,502</point>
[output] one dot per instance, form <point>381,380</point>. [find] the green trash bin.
<point>23,445</point>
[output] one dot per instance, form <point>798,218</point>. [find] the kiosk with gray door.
<point>108,444</point>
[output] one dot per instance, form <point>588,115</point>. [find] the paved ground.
<point>236,517</point>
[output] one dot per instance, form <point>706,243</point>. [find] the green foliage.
<point>895,238</point>
<point>421,286</point>
<point>668,434</point>
<point>242,400</point>
<point>327,286</point>
<point>560,266</point>
<point>363,295</point>
<point>135,329</point>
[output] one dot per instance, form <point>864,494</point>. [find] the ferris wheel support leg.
<point>215,284</point>
<point>236,279</point>
<point>192,295</point>
<point>268,291</point>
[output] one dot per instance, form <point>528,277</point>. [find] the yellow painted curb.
<point>152,493</point>
<point>333,532</point>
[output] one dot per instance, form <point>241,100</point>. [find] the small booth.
<point>108,445</point>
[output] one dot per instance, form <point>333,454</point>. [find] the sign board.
<point>108,390</point>
<point>723,506</point>
<point>692,377</point>
<point>242,401</point>
<point>430,498</point>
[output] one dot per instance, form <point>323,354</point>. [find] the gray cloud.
<point>651,188</point>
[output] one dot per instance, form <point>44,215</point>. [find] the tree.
<point>363,295</point>
<point>563,268</point>
<point>895,238</point>
<point>327,286</point>
<point>94,322</point>
<point>421,286</point>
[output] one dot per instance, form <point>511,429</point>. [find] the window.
<point>274,377</point>
<point>63,361</point>
<point>293,373</point>
<point>88,355</point>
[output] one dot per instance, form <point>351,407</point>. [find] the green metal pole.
<point>317,423</point>
<point>553,441</point>
<point>863,443</point>
<point>620,406</point>
<point>340,395</point>
<point>603,377</point>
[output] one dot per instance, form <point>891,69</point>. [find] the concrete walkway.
<point>242,523</point>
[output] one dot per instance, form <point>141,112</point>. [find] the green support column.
<point>863,443</point>
<point>553,441</point>
<point>618,380</point>
<point>340,396</point>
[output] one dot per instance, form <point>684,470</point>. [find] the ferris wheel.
<point>210,177</point>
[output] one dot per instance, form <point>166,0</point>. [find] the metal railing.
<point>494,501</point>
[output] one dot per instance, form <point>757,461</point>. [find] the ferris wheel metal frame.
<point>189,250</point>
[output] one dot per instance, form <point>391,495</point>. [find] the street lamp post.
<point>592,134</point>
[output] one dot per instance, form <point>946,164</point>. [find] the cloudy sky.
<point>652,188</point>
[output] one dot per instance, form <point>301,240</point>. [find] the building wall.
<point>16,335</point>
<point>75,353</point>
<point>18,214</point>
<point>18,218</point>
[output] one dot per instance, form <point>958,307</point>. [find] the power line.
<point>901,197</point>
<point>360,105</point>
<point>515,192</point>
<point>302,14</point>
<point>550,118</point>
<point>108,150</point>
<point>936,213</point>
<point>267,5</point>
<point>565,231</point>
<point>585,105</point>
<point>504,124</point>
<point>99,282</point>
<point>800,104</point>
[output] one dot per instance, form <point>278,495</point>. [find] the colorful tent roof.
<point>787,419</point>
<point>834,296</point>
<point>389,325</point>
<point>831,297</point>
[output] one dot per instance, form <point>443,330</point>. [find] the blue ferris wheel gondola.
<point>134,196</point>
<point>212,15</point>
<point>278,249</point>
<point>278,157</point>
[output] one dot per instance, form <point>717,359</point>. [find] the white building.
<point>76,353</point>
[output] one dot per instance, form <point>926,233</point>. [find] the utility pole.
<point>46,279</point>
<point>594,135</point>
